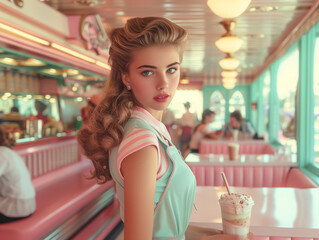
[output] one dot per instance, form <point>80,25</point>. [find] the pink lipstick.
<point>161,97</point>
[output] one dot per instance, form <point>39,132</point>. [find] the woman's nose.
<point>162,82</point>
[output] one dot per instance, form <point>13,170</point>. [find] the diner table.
<point>277,212</point>
<point>246,171</point>
<point>246,146</point>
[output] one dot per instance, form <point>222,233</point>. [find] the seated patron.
<point>17,194</point>
<point>237,122</point>
<point>202,131</point>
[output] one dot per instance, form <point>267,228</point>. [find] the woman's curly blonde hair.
<point>105,129</point>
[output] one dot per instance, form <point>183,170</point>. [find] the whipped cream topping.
<point>236,199</point>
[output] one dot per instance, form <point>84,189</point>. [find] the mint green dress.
<point>175,190</point>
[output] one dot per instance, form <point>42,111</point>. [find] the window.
<point>195,97</point>
<point>288,75</point>
<point>316,103</point>
<point>217,104</point>
<point>237,102</point>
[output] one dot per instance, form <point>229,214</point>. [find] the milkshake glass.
<point>236,212</point>
<point>233,150</point>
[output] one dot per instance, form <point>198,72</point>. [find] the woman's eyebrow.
<point>150,66</point>
<point>172,64</point>
<point>146,66</point>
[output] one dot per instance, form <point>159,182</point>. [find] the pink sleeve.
<point>135,140</point>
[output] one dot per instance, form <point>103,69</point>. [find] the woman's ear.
<point>125,79</point>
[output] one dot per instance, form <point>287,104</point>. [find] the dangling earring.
<point>128,87</point>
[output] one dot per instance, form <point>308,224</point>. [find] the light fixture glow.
<point>229,86</point>
<point>229,63</point>
<point>229,43</point>
<point>9,61</point>
<point>24,34</point>
<point>229,80</point>
<point>184,81</point>
<point>228,8</point>
<point>103,65</point>
<point>73,53</point>
<point>226,74</point>
<point>31,62</point>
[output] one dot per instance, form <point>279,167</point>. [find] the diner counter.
<point>196,159</point>
<point>277,212</point>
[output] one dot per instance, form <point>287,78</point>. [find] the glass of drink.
<point>236,212</point>
<point>233,150</point>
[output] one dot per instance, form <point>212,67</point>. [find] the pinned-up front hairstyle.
<point>105,129</point>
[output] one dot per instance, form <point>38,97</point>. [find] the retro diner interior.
<point>256,56</point>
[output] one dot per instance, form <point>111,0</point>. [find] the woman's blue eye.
<point>171,70</point>
<point>147,73</point>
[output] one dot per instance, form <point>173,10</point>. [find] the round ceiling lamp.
<point>229,63</point>
<point>229,80</point>
<point>228,8</point>
<point>226,74</point>
<point>229,86</point>
<point>229,43</point>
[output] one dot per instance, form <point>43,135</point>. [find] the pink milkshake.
<point>236,211</point>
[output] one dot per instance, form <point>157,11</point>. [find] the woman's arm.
<point>139,170</point>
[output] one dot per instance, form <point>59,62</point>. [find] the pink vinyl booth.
<point>68,204</point>
<point>245,147</point>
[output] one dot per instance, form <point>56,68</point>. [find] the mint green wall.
<point>256,96</point>
<point>209,89</point>
<point>306,103</point>
<point>274,118</point>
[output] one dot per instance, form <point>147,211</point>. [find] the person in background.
<point>40,107</point>
<point>87,111</point>
<point>237,122</point>
<point>187,124</point>
<point>17,194</point>
<point>168,119</point>
<point>14,110</point>
<point>127,142</point>
<point>202,131</point>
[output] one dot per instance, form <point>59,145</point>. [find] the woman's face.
<point>154,76</point>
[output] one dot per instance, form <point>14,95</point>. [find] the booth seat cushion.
<point>298,179</point>
<point>59,194</point>
<point>252,176</point>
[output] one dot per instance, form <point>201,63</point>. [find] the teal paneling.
<point>306,99</point>
<point>274,119</point>
<point>253,98</point>
<point>260,128</point>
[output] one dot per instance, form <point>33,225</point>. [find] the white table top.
<point>196,159</point>
<point>280,212</point>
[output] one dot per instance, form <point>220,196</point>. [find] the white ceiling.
<point>263,26</point>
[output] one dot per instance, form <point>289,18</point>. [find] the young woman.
<point>127,142</point>
<point>202,130</point>
<point>17,194</point>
